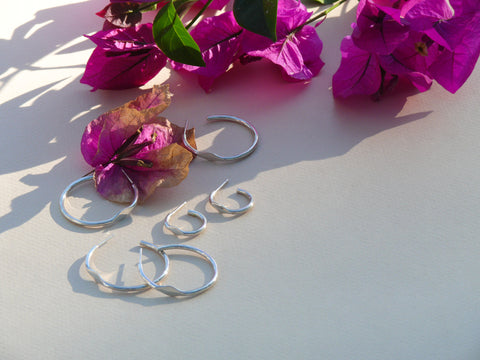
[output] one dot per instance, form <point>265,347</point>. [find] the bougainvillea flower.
<point>132,139</point>
<point>457,45</point>
<point>420,40</point>
<point>410,60</point>
<point>297,49</point>
<point>123,58</point>
<point>219,39</point>
<point>375,31</point>
<point>359,71</point>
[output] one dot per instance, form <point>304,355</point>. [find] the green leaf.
<point>325,2</point>
<point>173,39</point>
<point>258,16</point>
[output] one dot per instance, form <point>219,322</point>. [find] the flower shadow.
<point>297,122</point>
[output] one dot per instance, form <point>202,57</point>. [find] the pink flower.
<point>124,58</point>
<point>457,45</point>
<point>419,40</point>
<point>359,71</point>
<point>298,47</point>
<point>132,139</point>
<point>219,39</point>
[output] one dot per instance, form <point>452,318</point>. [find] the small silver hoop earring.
<point>172,290</point>
<point>176,230</point>
<point>131,289</point>
<point>215,157</point>
<point>100,223</point>
<point>223,209</point>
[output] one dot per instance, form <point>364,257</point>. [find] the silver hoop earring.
<point>172,290</point>
<point>223,209</point>
<point>215,157</point>
<point>131,289</point>
<point>100,223</point>
<point>176,230</point>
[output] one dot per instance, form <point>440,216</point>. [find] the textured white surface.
<point>363,243</point>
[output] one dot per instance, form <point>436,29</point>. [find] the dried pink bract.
<point>134,139</point>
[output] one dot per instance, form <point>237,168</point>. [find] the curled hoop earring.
<point>215,157</point>
<point>176,230</point>
<point>172,290</point>
<point>100,223</point>
<point>223,209</point>
<point>136,288</point>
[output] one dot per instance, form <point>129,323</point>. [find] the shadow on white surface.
<point>45,118</point>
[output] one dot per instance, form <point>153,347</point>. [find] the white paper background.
<point>363,243</point>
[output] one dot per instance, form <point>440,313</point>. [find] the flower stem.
<point>202,10</point>
<point>148,5</point>
<point>320,15</point>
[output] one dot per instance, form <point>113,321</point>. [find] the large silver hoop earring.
<point>176,230</point>
<point>215,157</point>
<point>100,223</point>
<point>131,289</point>
<point>223,209</point>
<point>172,290</point>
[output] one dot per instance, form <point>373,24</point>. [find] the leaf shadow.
<point>297,122</point>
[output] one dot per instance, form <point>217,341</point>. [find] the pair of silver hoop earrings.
<point>203,154</point>
<point>169,290</point>
<point>219,207</point>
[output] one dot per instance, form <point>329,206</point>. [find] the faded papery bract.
<point>133,140</point>
<point>123,58</point>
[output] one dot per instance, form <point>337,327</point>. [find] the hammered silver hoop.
<point>100,223</point>
<point>177,231</point>
<point>215,157</point>
<point>129,289</point>
<point>172,290</point>
<point>223,209</point>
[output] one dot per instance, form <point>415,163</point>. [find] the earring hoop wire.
<point>172,290</point>
<point>176,230</point>
<point>100,223</point>
<point>215,157</point>
<point>223,209</point>
<point>130,289</point>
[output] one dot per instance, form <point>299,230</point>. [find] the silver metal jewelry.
<point>100,223</point>
<point>176,230</point>
<point>223,209</point>
<point>215,157</point>
<point>169,289</point>
<point>131,289</point>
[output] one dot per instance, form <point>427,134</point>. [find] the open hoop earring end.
<point>215,157</point>
<point>100,223</point>
<point>176,230</point>
<point>172,290</point>
<point>223,209</point>
<point>129,289</point>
